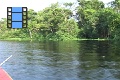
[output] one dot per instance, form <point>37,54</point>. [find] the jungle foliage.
<point>92,20</point>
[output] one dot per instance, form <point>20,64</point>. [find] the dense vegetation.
<point>92,20</point>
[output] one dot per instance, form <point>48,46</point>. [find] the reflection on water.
<point>68,60</point>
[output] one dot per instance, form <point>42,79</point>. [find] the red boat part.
<point>4,75</point>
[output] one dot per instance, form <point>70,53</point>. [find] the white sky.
<point>31,4</point>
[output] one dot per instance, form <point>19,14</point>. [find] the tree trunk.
<point>30,33</point>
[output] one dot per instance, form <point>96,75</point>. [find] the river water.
<point>63,60</point>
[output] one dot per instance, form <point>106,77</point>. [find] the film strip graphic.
<point>17,17</point>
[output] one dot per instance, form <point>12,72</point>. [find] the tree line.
<point>90,19</point>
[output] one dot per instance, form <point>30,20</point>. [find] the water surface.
<point>63,60</point>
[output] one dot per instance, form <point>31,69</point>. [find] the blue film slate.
<point>17,17</point>
<point>16,24</point>
<point>16,9</point>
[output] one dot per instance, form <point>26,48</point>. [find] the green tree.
<point>115,5</point>
<point>87,12</point>
<point>31,22</point>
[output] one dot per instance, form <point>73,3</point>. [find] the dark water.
<point>68,60</point>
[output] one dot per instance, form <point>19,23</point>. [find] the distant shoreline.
<point>27,39</point>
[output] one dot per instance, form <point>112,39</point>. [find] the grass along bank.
<point>28,39</point>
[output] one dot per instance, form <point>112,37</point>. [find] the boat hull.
<point>4,75</point>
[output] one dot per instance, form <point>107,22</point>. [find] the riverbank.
<point>15,39</point>
<point>28,39</point>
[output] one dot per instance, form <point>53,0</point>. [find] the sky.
<point>30,4</point>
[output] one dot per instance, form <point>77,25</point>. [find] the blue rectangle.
<point>16,16</point>
<point>16,9</point>
<point>16,24</point>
